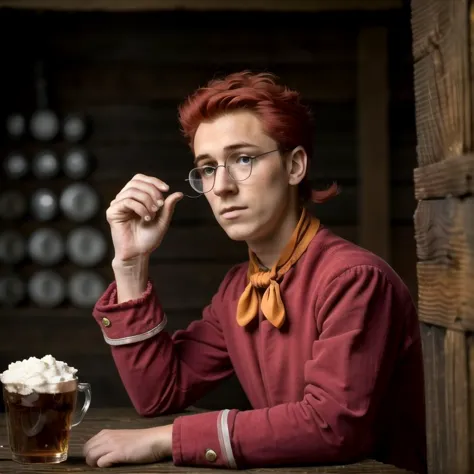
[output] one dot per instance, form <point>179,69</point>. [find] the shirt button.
<point>106,322</point>
<point>211,455</point>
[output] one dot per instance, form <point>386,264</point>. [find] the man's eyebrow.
<point>235,146</point>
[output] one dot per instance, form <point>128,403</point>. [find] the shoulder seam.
<point>363,265</point>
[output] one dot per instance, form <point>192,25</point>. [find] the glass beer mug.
<point>39,421</point>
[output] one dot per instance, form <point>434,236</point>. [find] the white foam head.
<point>45,375</point>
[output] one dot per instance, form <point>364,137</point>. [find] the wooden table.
<point>97,419</point>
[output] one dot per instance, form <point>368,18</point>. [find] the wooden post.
<point>444,227</point>
<point>374,157</point>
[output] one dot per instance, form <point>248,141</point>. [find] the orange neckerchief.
<point>271,303</point>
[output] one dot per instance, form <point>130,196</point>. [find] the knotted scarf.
<point>270,302</point>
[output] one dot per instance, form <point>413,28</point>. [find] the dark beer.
<point>39,424</point>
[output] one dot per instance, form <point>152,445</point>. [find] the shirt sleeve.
<point>351,364</point>
<point>162,373</point>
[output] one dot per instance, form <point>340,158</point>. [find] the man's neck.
<point>268,250</point>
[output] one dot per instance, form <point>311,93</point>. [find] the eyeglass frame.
<point>252,158</point>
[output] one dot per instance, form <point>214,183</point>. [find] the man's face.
<point>251,209</point>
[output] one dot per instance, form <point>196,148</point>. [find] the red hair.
<point>284,118</point>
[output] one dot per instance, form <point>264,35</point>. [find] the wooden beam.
<point>433,339</point>
<point>374,154</point>
<point>262,5</point>
<point>444,298</point>
<point>444,232</point>
<point>457,402</point>
<point>453,177</point>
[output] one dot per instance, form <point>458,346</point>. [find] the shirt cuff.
<point>204,440</point>
<point>131,321</point>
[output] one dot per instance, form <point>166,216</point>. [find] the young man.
<point>322,334</point>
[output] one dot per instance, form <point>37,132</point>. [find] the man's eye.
<point>207,170</point>
<point>244,160</point>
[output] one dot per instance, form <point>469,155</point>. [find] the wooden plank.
<point>429,20</point>
<point>457,402</point>
<point>444,232</point>
<point>137,5</point>
<point>435,396</point>
<point>470,371</point>
<point>441,70</point>
<point>372,96</point>
<point>445,296</point>
<point>453,177</point>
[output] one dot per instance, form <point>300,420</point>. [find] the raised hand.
<point>139,216</point>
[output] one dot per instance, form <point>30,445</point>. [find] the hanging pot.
<point>44,204</point>
<point>13,205</point>
<point>12,290</point>
<point>77,163</point>
<point>79,202</point>
<point>74,128</point>
<point>46,246</point>
<point>16,165</point>
<point>46,165</point>
<point>47,289</point>
<point>12,247</point>
<point>86,246</point>
<point>44,123</point>
<point>85,288</point>
<point>16,126</point>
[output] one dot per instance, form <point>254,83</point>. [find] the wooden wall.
<point>128,72</point>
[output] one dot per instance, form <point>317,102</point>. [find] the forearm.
<point>282,435</point>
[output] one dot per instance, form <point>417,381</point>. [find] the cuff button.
<point>106,322</point>
<point>211,455</point>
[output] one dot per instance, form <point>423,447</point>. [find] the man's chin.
<point>237,232</point>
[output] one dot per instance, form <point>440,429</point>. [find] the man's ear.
<point>297,163</point>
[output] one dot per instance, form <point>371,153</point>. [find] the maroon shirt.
<point>342,380</point>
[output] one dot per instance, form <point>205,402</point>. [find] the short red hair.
<point>285,119</point>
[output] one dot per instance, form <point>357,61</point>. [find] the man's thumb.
<point>168,207</point>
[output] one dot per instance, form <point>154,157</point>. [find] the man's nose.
<point>223,182</point>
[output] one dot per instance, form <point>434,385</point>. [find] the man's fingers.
<point>150,180</point>
<point>109,459</point>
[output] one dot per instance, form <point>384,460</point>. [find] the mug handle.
<point>86,389</point>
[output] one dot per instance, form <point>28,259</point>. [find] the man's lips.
<point>231,209</point>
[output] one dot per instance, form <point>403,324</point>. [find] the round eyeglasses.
<point>239,167</point>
